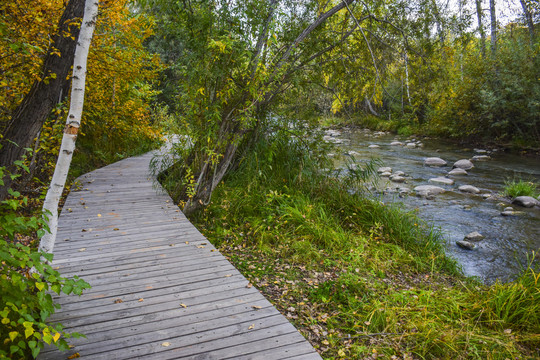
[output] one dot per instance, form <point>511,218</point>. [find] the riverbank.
<point>360,279</point>
<point>403,128</point>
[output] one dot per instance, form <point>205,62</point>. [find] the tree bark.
<point>493,14</point>
<point>73,122</point>
<point>528,19</point>
<point>28,118</point>
<point>479,14</point>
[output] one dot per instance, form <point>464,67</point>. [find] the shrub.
<point>26,283</point>
<point>515,188</point>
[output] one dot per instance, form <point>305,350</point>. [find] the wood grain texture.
<point>160,290</point>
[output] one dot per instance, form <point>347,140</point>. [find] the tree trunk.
<point>479,13</point>
<point>28,118</point>
<point>493,14</point>
<point>73,122</point>
<point>528,19</point>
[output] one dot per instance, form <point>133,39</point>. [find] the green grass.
<point>515,188</point>
<point>357,277</point>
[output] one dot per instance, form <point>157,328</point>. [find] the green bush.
<point>26,283</point>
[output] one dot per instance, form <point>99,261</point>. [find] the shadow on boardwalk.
<point>160,290</point>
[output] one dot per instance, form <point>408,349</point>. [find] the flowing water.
<point>508,239</point>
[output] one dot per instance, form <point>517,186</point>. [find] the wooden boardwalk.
<point>160,290</point>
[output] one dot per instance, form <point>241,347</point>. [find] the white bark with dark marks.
<point>73,122</point>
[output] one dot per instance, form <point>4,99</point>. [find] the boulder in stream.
<point>373,146</point>
<point>384,169</point>
<point>442,180</point>
<point>481,157</point>
<point>469,189</point>
<point>463,164</point>
<point>434,161</point>
<point>465,244</point>
<point>457,172</point>
<point>474,236</point>
<point>526,201</point>
<point>397,178</point>
<point>410,145</point>
<point>428,190</point>
<point>396,143</point>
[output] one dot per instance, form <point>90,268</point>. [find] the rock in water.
<point>442,180</point>
<point>411,145</point>
<point>463,164</point>
<point>526,201</point>
<point>384,169</point>
<point>481,157</point>
<point>396,143</point>
<point>374,146</point>
<point>465,245</point>
<point>397,178</point>
<point>457,172</point>
<point>434,161</point>
<point>428,190</point>
<point>474,236</point>
<point>469,189</point>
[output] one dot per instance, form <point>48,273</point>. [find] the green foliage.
<point>26,283</point>
<point>515,188</point>
<point>371,277</point>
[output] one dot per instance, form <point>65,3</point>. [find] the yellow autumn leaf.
<point>40,286</point>
<point>252,326</point>
<point>183,305</point>
<point>56,337</point>
<point>166,344</point>
<point>74,356</point>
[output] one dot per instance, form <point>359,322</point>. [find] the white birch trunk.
<point>73,122</point>
<point>407,77</point>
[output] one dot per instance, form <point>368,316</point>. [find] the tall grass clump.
<point>514,188</point>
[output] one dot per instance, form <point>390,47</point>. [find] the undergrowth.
<point>514,188</point>
<point>359,278</point>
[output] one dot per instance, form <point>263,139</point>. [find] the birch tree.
<point>493,15</point>
<point>73,122</point>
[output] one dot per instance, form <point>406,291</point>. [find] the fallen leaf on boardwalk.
<point>116,229</point>
<point>251,326</point>
<point>83,249</point>
<point>69,209</point>
<point>171,244</point>
<point>166,344</point>
<point>84,230</point>
<point>187,242</point>
<point>249,285</point>
<point>86,207</point>
<point>56,267</point>
<point>118,301</point>
<point>256,307</point>
<point>141,300</point>
<point>98,215</point>
<point>228,275</point>
<point>183,305</point>
<point>212,250</point>
<point>74,356</point>
<point>200,246</point>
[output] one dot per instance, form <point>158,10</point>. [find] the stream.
<point>508,239</point>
